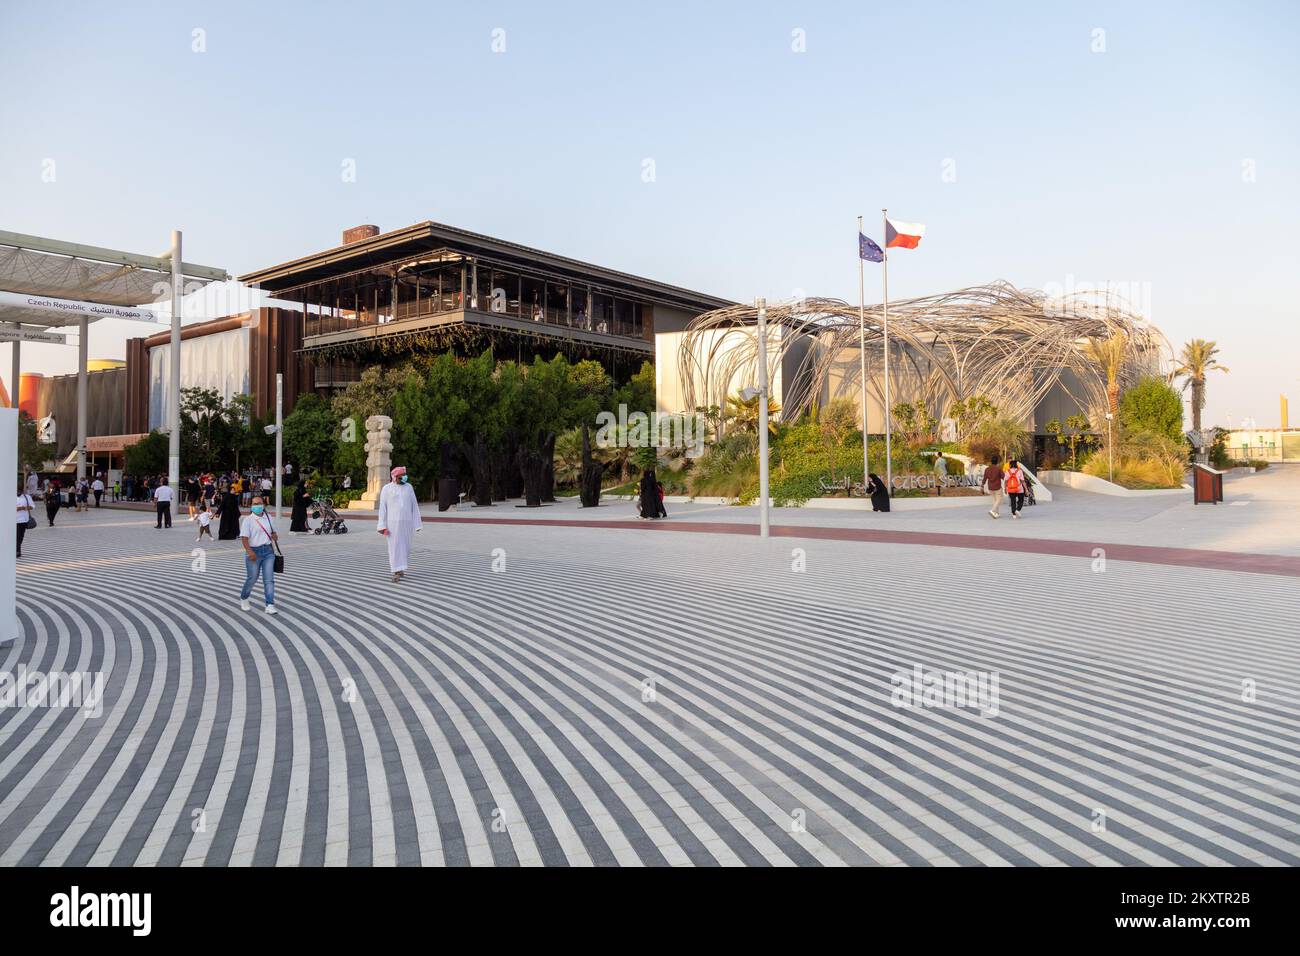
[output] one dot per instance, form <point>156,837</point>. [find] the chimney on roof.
<point>357,233</point>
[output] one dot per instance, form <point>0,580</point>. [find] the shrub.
<point>1152,405</point>
<point>1143,459</point>
<point>727,468</point>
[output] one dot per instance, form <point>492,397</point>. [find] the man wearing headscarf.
<point>399,518</point>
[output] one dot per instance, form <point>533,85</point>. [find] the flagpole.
<point>862,354</point>
<point>889,412</point>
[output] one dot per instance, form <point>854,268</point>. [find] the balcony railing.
<point>452,302</point>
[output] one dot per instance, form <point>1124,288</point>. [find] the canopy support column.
<point>83,399</point>
<point>174,385</point>
<point>15,378</point>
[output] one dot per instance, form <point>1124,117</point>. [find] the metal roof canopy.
<point>31,265</point>
<point>425,237</point>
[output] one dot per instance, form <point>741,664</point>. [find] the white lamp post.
<point>278,431</point>
<point>761,393</point>
<point>1110,443</point>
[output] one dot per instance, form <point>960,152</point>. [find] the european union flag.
<point>869,250</point>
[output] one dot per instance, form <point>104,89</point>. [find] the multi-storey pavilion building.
<point>431,286</point>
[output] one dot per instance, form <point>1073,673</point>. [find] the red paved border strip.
<point>1279,564</point>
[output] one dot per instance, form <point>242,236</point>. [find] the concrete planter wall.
<point>1100,486</point>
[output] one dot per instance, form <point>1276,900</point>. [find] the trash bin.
<point>1207,485</point>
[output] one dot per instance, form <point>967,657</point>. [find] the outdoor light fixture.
<point>270,429</point>
<point>1110,443</point>
<point>748,394</point>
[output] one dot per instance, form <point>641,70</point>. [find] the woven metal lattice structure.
<point>1012,346</point>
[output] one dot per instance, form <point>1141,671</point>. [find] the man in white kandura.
<point>399,517</point>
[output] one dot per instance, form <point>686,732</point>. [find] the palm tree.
<point>1110,355</point>
<point>568,457</point>
<point>744,412</point>
<point>1196,359</point>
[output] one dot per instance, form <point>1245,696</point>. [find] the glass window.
<point>602,313</point>
<point>504,296</point>
<point>484,300</point>
<point>580,301</point>
<point>532,299</point>
<point>557,303</point>
<point>623,310</point>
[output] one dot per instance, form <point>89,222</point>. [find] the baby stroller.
<point>330,521</point>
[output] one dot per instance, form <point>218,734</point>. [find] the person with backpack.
<point>1016,483</point>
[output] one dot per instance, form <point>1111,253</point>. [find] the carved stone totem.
<point>379,459</point>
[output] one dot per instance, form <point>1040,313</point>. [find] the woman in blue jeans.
<point>258,537</point>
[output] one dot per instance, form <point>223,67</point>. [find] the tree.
<point>1195,362</point>
<point>31,453</point>
<point>744,412</point>
<point>969,413</point>
<point>639,392</point>
<point>250,442</point>
<point>416,440</point>
<point>1074,432</point>
<point>372,394</point>
<point>1109,355</point>
<point>1005,435</point>
<point>548,397</point>
<point>591,388</point>
<point>149,455</point>
<point>568,457</point>
<point>311,434</point>
<point>1152,405</point>
<point>915,422</point>
<point>836,423</point>
<point>350,454</point>
<point>208,433</point>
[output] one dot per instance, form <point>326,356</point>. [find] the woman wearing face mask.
<point>258,537</point>
<point>399,517</point>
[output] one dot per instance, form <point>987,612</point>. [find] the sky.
<point>724,147</point>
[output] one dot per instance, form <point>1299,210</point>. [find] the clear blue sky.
<point>1122,166</point>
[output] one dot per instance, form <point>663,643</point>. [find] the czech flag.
<point>903,235</point>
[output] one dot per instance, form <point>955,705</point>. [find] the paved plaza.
<point>560,695</point>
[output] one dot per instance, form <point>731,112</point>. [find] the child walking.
<point>204,518</point>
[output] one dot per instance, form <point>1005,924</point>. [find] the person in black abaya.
<point>879,493</point>
<point>301,502</point>
<point>228,509</point>
<point>649,494</point>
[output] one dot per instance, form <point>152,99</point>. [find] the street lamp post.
<point>173,398</point>
<point>1110,443</point>
<point>761,305</point>
<point>279,441</point>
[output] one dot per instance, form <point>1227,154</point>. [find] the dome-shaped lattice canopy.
<point>1010,345</point>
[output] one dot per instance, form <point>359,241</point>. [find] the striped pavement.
<point>574,696</point>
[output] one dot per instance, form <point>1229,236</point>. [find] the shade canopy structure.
<point>1010,345</point>
<point>47,283</point>
<point>50,269</point>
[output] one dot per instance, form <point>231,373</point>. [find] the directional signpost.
<point>10,334</point>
